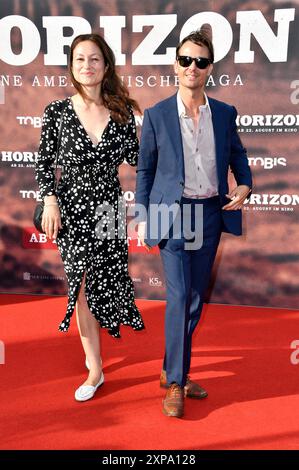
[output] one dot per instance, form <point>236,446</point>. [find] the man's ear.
<point>210,69</point>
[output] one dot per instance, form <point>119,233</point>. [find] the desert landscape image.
<point>260,267</point>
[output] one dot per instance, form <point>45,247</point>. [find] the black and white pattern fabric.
<point>92,240</point>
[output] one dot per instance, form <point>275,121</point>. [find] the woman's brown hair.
<point>114,93</point>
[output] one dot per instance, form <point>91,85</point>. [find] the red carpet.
<point>241,355</point>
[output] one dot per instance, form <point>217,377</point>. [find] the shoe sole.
<point>172,415</point>
<point>196,397</point>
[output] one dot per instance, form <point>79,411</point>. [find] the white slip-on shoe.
<point>86,392</point>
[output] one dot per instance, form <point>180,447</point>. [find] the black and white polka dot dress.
<point>92,240</point>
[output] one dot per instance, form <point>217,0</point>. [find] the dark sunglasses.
<point>186,61</point>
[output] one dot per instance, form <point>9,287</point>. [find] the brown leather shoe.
<point>191,389</point>
<point>173,403</point>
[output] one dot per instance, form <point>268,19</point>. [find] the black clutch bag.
<point>39,208</point>
<point>38,215</point>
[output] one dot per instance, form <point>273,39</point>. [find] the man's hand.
<point>237,196</point>
<point>141,235</point>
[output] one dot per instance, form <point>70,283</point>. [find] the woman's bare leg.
<point>89,330</point>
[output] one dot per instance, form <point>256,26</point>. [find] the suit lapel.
<point>171,118</point>
<point>219,130</point>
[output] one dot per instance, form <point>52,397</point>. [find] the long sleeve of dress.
<point>131,149</point>
<point>44,170</point>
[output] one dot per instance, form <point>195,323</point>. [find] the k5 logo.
<point>155,281</point>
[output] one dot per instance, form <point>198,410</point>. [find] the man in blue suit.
<point>188,144</point>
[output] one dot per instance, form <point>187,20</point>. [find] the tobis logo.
<point>267,162</point>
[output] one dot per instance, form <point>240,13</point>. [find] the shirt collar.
<point>202,107</point>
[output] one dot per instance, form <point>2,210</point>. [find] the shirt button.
<point>196,150</point>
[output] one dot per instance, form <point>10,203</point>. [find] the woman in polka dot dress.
<point>98,133</point>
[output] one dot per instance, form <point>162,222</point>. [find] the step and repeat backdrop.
<point>256,69</point>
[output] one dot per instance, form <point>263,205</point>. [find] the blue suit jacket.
<point>160,171</point>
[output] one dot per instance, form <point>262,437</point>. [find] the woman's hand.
<point>141,235</point>
<point>51,221</point>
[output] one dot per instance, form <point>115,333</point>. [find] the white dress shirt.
<point>201,180</point>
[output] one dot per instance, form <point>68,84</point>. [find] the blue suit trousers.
<point>187,274</point>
